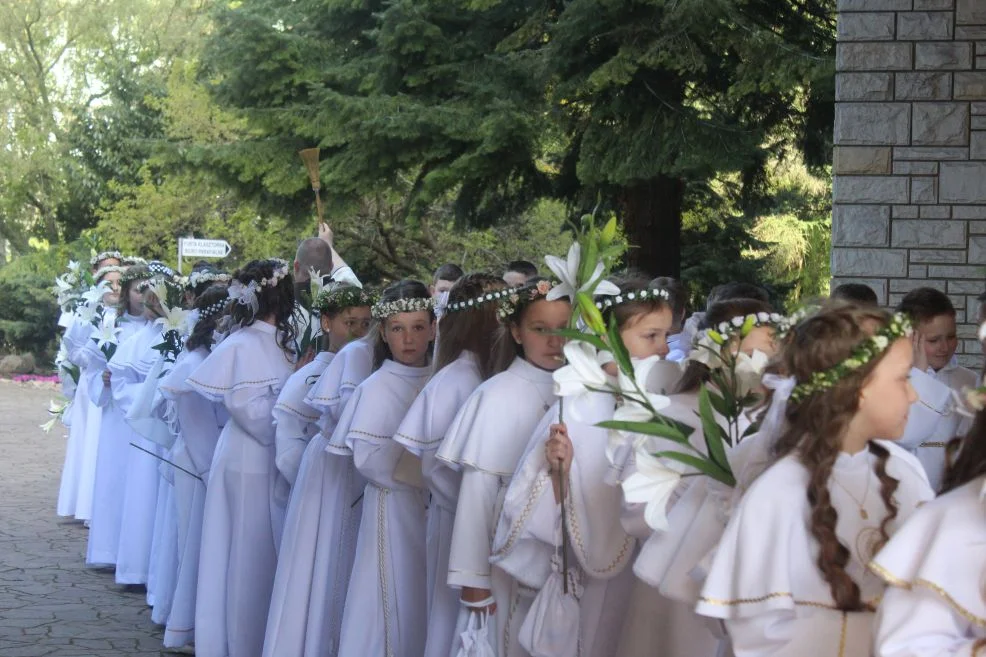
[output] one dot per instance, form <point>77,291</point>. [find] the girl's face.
<point>887,395</point>
<point>940,340</point>
<point>112,297</point>
<point>135,301</point>
<point>350,324</point>
<point>408,336</point>
<point>761,338</point>
<point>534,333</point>
<point>647,335</point>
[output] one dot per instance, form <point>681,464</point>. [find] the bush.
<point>28,314</point>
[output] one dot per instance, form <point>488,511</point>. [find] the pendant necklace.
<point>861,504</point>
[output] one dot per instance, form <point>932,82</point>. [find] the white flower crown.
<point>196,278</point>
<point>105,255</point>
<point>108,269</point>
<point>281,270</point>
<point>636,295</point>
<point>475,302</point>
<point>386,309</point>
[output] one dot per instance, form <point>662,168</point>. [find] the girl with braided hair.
<point>789,576</point>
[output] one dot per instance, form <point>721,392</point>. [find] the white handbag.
<point>551,628</point>
<point>475,641</point>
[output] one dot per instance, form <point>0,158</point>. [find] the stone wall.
<point>909,188</point>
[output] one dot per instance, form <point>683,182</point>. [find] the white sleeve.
<point>934,403</point>
<point>290,441</point>
<point>469,558</point>
<point>251,409</point>
<point>918,623</point>
<point>807,631</point>
<point>377,459</point>
<point>345,274</point>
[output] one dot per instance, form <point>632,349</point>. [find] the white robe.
<point>129,367</point>
<point>933,420</point>
<point>319,542</point>
<point>89,448</point>
<point>76,334</point>
<point>385,603</point>
<point>485,442</point>
<point>242,520</point>
<point>113,455</point>
<point>295,421</point>
<point>421,433</point>
<point>528,531</point>
<point>764,581</point>
<point>197,423</point>
<point>935,566</point>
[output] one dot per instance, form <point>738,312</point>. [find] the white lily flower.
<point>107,332</point>
<point>706,351</point>
<point>315,285</point>
<point>63,284</point>
<point>652,484</point>
<point>749,371</point>
<point>583,371</point>
<point>94,295</point>
<point>74,266</point>
<point>47,426</point>
<point>567,271</point>
<point>174,319</point>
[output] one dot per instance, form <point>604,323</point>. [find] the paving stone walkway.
<point>50,603</point>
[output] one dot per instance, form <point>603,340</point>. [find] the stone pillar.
<point>909,186</point>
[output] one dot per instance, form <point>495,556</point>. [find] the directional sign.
<point>195,248</point>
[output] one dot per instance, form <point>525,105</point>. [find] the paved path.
<point>50,604</point>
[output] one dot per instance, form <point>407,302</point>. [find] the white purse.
<point>551,628</point>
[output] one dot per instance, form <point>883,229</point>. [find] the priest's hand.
<point>475,599</point>
<point>325,233</point>
<point>106,377</point>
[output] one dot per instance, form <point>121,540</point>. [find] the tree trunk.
<point>652,219</point>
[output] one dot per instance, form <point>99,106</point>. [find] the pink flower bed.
<point>25,378</point>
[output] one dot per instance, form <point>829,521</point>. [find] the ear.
<point>325,323</point>
<point>297,268</point>
<point>515,332</point>
<point>434,330</point>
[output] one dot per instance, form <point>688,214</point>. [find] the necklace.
<point>861,504</point>
<point>543,400</point>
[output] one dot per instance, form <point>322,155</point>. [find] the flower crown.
<point>342,297</point>
<point>511,301</point>
<point>486,297</point>
<point>636,295</point>
<point>133,260</point>
<point>741,325</point>
<point>131,275</point>
<point>105,255</point>
<point>109,269</point>
<point>196,278</point>
<point>385,309</point>
<point>899,327</point>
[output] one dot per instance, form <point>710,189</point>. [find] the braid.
<point>888,486</point>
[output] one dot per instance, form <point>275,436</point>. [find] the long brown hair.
<point>722,311</point>
<point>472,329</point>
<point>817,424</point>
<point>967,455</point>
<point>132,278</point>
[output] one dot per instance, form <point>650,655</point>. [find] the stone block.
<point>861,159</point>
<point>873,124</point>
<point>938,56</point>
<point>969,212</point>
<point>980,62</point>
<point>977,250</point>
<point>869,262</point>
<point>970,32</point>
<point>970,12</point>
<point>965,287</point>
<point>905,212</point>
<point>917,271</point>
<point>970,86</point>
<point>935,212</point>
<point>977,145</point>
<point>860,225</point>
<point>955,271</point>
<point>931,153</point>
<point>933,4</point>
<point>908,168</point>
<point>972,361</point>
<point>924,190</point>
<point>874,5</point>
<point>962,183</point>
<point>894,299</point>
<point>938,256</point>
<point>975,227</point>
<point>940,124</point>
<point>978,123</point>
<point>878,57</point>
<point>927,234</point>
<point>878,285</point>
<point>905,285</point>
<point>867,26</point>
<point>864,86</point>
<point>870,189</point>
<point>918,25</point>
<point>978,109</point>
<point>923,86</point>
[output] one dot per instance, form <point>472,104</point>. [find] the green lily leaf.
<point>704,466</point>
